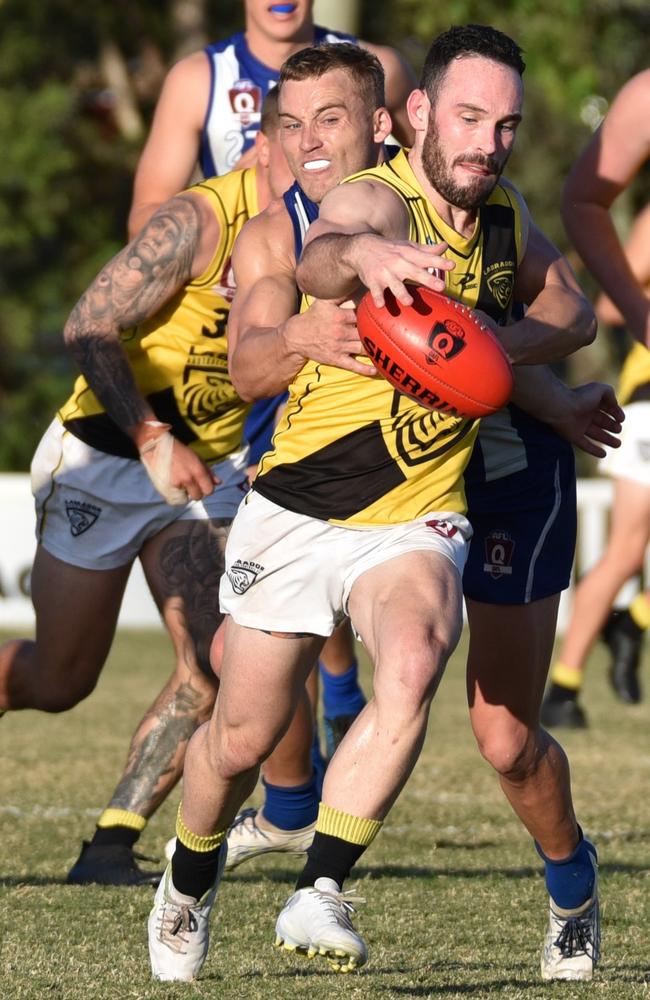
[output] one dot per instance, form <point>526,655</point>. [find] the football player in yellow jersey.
<point>144,461</point>
<point>605,168</point>
<point>398,580</point>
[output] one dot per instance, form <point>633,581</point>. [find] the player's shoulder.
<point>631,105</point>
<point>189,72</point>
<point>389,57</point>
<point>268,234</point>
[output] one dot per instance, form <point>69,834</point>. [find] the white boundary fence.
<point>17,546</point>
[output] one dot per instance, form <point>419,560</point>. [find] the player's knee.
<point>241,749</point>
<point>59,697</point>
<point>415,669</point>
<point>513,753</point>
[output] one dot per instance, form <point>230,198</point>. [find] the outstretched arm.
<point>360,240</point>
<point>173,247</point>
<point>614,155</point>
<point>588,416</point>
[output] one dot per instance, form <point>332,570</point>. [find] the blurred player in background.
<point>433,195</point>
<point>606,167</point>
<point>209,108</point>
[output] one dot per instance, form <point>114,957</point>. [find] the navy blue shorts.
<point>524,532</point>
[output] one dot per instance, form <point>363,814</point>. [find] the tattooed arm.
<point>174,247</point>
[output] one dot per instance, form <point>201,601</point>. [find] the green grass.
<point>455,898</point>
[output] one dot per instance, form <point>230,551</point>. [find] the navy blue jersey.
<point>260,422</point>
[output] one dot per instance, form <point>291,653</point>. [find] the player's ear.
<point>382,123</point>
<point>262,150</point>
<point>418,107</point>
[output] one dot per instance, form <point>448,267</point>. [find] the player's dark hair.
<point>270,120</point>
<point>363,67</point>
<point>467,40</point>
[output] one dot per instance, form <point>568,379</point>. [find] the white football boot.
<point>317,921</point>
<point>572,944</point>
<point>179,928</point>
<point>247,840</point>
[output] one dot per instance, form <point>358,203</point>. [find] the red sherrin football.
<point>436,352</point>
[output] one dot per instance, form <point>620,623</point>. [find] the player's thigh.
<point>262,678</point>
<point>183,564</point>
<point>76,615</point>
<point>408,613</point>
<point>510,649</point>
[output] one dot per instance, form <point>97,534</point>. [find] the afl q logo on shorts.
<point>246,101</point>
<point>499,552</point>
<point>446,340</point>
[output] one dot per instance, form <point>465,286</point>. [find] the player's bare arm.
<point>400,81</point>
<point>637,252</point>
<point>268,340</point>
<point>172,248</point>
<point>168,161</point>
<point>588,415</point>
<point>559,319</point>
<point>608,163</point>
<point>361,240</point>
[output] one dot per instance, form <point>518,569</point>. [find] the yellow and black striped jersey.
<point>352,450</point>
<point>179,356</point>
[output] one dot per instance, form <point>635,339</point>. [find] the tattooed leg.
<point>183,565</point>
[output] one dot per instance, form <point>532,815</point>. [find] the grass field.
<point>455,897</point>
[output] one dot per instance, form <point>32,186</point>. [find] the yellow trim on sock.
<point>566,677</point>
<point>122,817</point>
<point>354,829</point>
<point>640,611</point>
<point>195,842</point>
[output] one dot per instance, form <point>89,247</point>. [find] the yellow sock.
<point>121,817</point>
<point>640,611</point>
<point>354,829</point>
<point>194,841</point>
<point>566,677</point>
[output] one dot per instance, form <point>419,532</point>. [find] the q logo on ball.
<point>446,340</point>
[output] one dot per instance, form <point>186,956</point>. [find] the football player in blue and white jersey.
<point>209,107</point>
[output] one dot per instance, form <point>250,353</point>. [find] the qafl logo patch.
<point>499,553</point>
<point>81,516</point>
<point>243,574</point>
<point>445,341</point>
<point>246,101</point>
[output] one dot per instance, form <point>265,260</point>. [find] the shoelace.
<point>246,819</point>
<point>341,905</point>
<point>576,936</point>
<point>175,927</point>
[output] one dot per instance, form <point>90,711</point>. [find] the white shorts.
<point>632,459</point>
<point>286,572</point>
<point>96,510</point>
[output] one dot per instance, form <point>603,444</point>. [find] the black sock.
<point>194,872</point>
<point>557,692</point>
<point>329,857</point>
<point>105,836</point>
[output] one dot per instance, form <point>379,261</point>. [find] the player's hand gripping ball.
<point>436,352</point>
